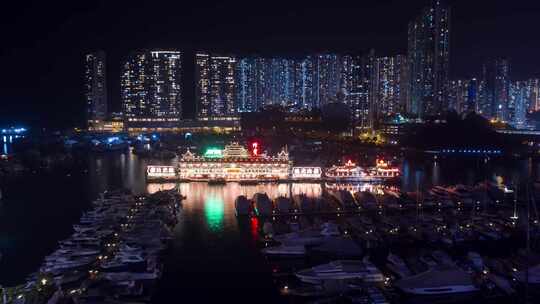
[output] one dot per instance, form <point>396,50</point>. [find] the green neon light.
<point>213,153</point>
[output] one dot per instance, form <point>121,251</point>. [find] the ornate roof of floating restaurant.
<point>233,152</point>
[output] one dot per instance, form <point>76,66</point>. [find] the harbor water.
<point>214,255</point>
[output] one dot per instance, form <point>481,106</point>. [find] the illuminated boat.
<point>234,163</point>
<point>383,170</point>
<point>160,173</point>
<point>306,173</point>
<point>350,172</point>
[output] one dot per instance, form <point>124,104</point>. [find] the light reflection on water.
<point>213,210</point>
<point>217,201</point>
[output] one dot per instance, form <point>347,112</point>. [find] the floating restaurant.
<point>236,163</point>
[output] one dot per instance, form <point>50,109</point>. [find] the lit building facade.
<point>533,88</point>
<point>496,78</point>
<point>361,97</point>
<point>152,90</point>
<point>428,59</point>
<point>390,90</point>
<point>215,77</point>
<point>457,95</point>
<point>95,88</point>
<point>298,84</point>
<point>264,82</point>
<point>202,84</point>
<point>518,103</point>
<point>234,163</point>
<point>247,76</point>
<point>327,79</point>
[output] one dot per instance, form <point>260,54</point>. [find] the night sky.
<point>42,43</point>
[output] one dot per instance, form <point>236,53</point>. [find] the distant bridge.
<point>13,131</point>
<point>520,132</point>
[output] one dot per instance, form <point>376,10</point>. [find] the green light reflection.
<point>214,210</point>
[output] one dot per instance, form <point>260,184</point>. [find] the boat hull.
<point>456,294</point>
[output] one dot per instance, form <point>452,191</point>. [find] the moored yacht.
<point>309,236</point>
<point>438,282</point>
<point>398,266</point>
<point>341,270</point>
<point>532,276</point>
<point>283,204</point>
<point>263,204</point>
<point>285,250</point>
<point>242,205</point>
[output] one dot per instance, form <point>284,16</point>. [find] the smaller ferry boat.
<point>352,172</point>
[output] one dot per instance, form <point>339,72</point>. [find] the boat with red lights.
<point>351,172</point>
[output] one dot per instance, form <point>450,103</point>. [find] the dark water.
<point>214,255</point>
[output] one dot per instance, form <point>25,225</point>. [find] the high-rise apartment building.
<point>391,85</point>
<point>307,80</point>
<point>517,105</point>
<point>429,57</point>
<point>458,95</point>
<point>152,88</point>
<point>95,87</point>
<point>215,78</point>
<point>202,84</point>
<point>327,81</point>
<point>496,77</point>
<point>534,95</point>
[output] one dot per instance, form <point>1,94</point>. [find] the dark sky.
<point>42,43</point>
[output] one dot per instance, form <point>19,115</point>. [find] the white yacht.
<point>330,229</point>
<point>309,236</point>
<point>338,247</point>
<point>398,266</point>
<point>533,276</point>
<point>283,204</point>
<point>285,250</point>
<point>341,270</point>
<point>438,282</point>
<point>476,260</point>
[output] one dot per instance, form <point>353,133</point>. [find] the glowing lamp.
<point>255,148</point>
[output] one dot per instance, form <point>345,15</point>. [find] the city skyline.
<point>291,37</point>
<point>374,88</point>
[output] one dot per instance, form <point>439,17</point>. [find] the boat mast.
<point>530,197</point>
<point>515,213</point>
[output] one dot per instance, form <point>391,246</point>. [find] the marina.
<point>383,225</point>
<point>443,266</point>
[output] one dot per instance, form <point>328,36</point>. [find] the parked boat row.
<point>460,247</point>
<point>114,251</point>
